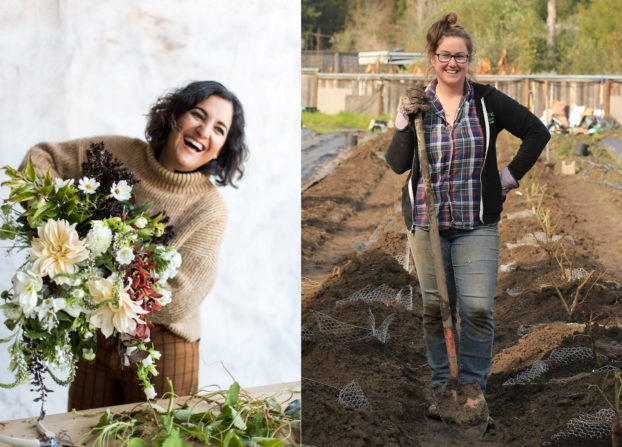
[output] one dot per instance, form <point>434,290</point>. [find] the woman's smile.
<point>200,134</point>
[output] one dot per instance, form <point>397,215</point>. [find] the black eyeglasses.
<point>446,57</point>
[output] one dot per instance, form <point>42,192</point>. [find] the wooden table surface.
<point>73,427</point>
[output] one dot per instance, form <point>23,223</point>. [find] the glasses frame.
<point>438,56</point>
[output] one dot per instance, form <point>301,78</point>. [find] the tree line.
<point>539,36</point>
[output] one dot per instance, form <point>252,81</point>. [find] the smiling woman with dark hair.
<point>164,126</point>
<point>193,133</point>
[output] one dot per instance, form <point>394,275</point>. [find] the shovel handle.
<point>437,254</point>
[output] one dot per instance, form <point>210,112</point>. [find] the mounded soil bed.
<point>394,377</point>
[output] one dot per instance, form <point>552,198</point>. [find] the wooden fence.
<point>379,94</point>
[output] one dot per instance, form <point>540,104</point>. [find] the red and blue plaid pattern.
<point>456,157</point>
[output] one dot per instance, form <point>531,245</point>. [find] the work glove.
<point>413,100</point>
<point>508,182</point>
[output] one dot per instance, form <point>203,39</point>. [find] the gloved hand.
<point>508,182</point>
<point>413,100</point>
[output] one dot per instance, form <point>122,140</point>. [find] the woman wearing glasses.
<point>462,121</point>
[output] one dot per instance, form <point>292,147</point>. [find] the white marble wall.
<point>72,69</point>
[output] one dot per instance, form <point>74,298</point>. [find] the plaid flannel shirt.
<point>456,157</point>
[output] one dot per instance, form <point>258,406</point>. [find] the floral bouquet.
<point>95,261</point>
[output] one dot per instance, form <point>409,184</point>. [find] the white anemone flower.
<point>60,183</point>
<point>88,185</point>
<point>26,285</point>
<point>124,255</point>
<point>121,190</point>
<point>166,297</point>
<point>98,239</point>
<point>121,315</point>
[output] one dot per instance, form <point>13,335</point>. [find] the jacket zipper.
<point>481,190</point>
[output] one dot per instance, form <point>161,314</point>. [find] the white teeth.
<point>194,143</point>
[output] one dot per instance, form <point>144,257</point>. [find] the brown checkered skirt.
<point>104,384</point>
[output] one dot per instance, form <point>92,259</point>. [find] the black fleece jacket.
<point>502,112</point>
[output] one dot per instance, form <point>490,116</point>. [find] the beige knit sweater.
<point>193,203</point>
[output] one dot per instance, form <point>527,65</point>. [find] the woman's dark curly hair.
<point>163,116</point>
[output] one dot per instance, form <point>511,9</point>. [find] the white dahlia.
<point>57,250</point>
<point>98,239</point>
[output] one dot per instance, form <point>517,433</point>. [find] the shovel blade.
<point>463,408</point>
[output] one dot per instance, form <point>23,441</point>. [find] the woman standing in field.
<point>193,133</point>
<point>462,121</point>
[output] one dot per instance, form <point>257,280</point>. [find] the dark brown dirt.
<point>394,375</point>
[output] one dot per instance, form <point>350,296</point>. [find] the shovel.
<point>462,406</point>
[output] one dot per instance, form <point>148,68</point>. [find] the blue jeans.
<point>471,259</point>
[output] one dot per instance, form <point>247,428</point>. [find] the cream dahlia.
<point>110,316</point>
<point>98,238</point>
<point>57,250</point>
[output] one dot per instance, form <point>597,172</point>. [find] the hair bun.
<point>449,19</point>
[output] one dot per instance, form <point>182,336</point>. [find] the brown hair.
<point>444,28</point>
<point>163,116</point>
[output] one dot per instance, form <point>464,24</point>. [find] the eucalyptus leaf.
<point>7,306</point>
<point>297,389</point>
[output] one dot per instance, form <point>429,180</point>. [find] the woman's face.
<point>200,134</point>
<point>451,73</point>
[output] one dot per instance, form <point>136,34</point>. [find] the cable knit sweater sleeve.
<point>62,159</point>
<point>199,250</point>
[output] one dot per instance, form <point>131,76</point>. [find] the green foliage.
<point>587,32</point>
<point>233,419</point>
<point>328,16</point>
<point>323,122</point>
